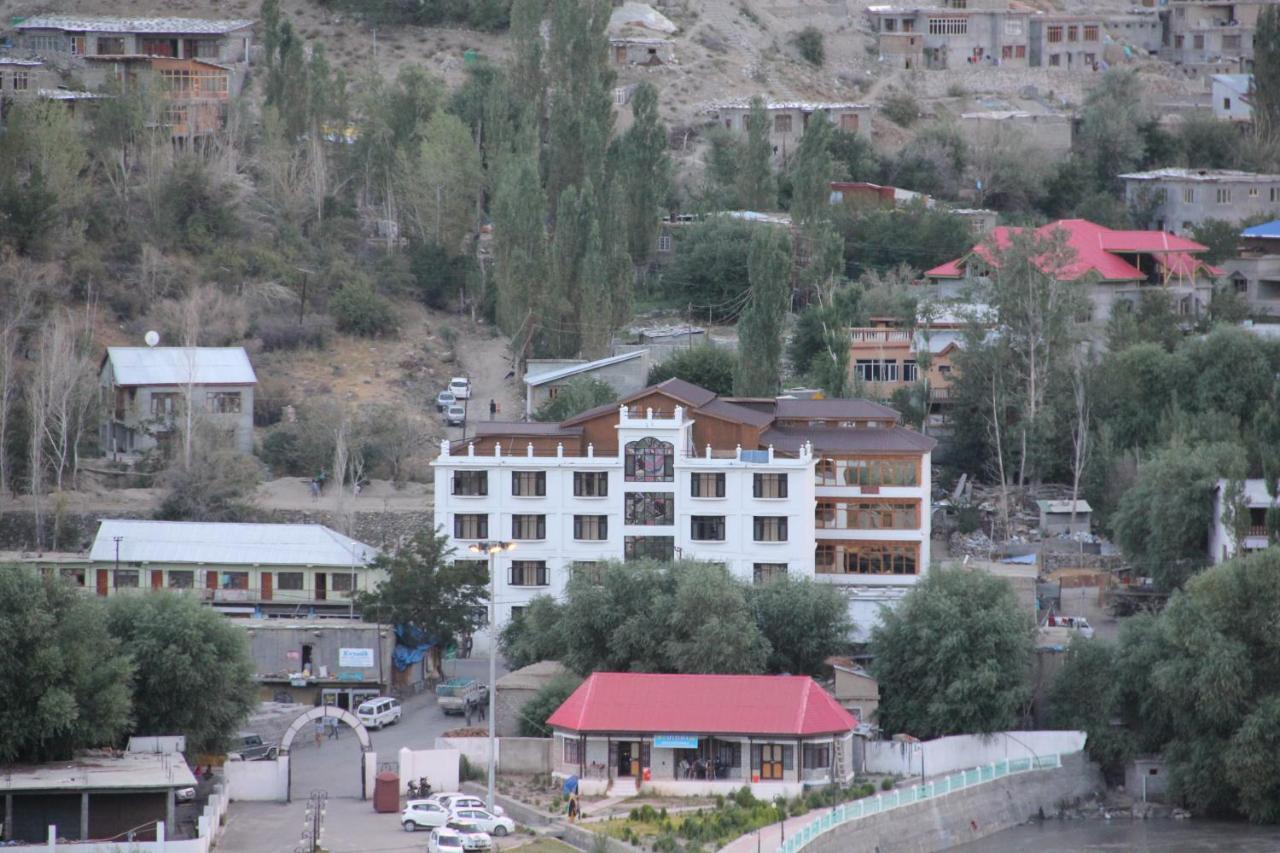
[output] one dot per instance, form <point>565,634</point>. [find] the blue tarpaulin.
<point>570,785</point>
<point>411,647</point>
<point>1267,229</point>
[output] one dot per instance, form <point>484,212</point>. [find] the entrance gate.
<point>368,758</point>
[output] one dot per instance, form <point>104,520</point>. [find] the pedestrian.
<point>319,730</point>
<point>480,709</point>
<point>333,728</point>
<point>493,408</point>
<point>470,706</point>
<point>315,489</point>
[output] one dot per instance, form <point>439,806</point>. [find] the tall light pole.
<point>492,549</point>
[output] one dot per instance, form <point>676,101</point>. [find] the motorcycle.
<point>421,790</point>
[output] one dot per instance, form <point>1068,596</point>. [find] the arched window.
<point>650,461</point>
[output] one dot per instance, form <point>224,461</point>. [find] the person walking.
<point>319,730</point>
<point>333,728</point>
<point>470,706</point>
<point>493,408</point>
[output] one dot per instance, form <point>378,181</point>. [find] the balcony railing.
<point>879,336</point>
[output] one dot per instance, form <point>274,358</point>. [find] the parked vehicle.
<point>444,840</point>
<point>455,415</point>
<point>427,814</point>
<point>454,801</point>
<point>1079,624</point>
<point>421,790</point>
<point>491,823</point>
<point>379,712</point>
<point>452,695</point>
<point>473,837</point>
<point>248,746</point>
<point>461,387</point>
<point>444,400</point>
<point>184,795</point>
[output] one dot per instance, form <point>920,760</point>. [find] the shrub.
<point>706,366</point>
<point>901,108</point>
<point>359,311</point>
<point>886,784</point>
<point>809,42</point>
<point>469,772</point>
<point>286,332</point>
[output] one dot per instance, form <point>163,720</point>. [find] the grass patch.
<point>544,845</point>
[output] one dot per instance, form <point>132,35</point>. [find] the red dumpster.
<point>386,792</point>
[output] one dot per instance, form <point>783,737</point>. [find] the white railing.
<point>858,809</point>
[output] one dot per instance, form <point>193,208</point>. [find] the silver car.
<point>444,400</point>
<point>455,415</point>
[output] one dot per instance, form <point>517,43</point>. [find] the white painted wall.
<point>258,781</point>
<point>960,752</point>
<point>439,765</point>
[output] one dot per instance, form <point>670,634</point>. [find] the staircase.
<point>623,787</point>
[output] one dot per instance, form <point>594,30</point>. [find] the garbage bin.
<point>386,792</point>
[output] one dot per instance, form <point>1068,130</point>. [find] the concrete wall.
<point>961,752</point>
<point>258,781</point>
<point>440,766</point>
<point>208,828</point>
<point>518,755</point>
<point>277,648</point>
<point>965,816</point>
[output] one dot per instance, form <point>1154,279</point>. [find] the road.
<point>334,767</point>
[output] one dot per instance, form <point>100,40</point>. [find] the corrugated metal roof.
<point>861,440</point>
<point>180,365</point>
<point>1201,175</point>
<point>575,369</point>
<point>214,543</point>
<point>175,26</point>
<point>702,704</point>
<point>853,409</point>
<point>1268,230</point>
<point>736,413</point>
<point>25,63</point>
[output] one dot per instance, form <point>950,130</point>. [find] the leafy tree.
<point>64,680</point>
<point>880,239</point>
<point>1207,143</point>
<point>574,398</point>
<point>809,42</point>
<point>1220,236</point>
<point>217,485</point>
<point>706,366</point>
<point>933,161</point>
<point>711,627</point>
<point>28,214</point>
<point>1136,387</point>
<point>856,154</point>
<point>819,345</point>
<point>802,621</point>
<point>426,589</point>
<point>520,254</point>
<point>1110,124</point>
<point>534,635</point>
<point>811,174</point>
<point>757,189</point>
<point>901,108</point>
<point>534,714</point>
<point>440,274</point>
<point>443,182</point>
<point>644,170</point>
<point>1153,320</point>
<point>195,209</point>
<point>358,310</point>
<point>1264,89</point>
<point>193,672</point>
<point>954,657</point>
<point>759,371</point>
<point>709,269</point>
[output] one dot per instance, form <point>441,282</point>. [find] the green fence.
<point>858,809</point>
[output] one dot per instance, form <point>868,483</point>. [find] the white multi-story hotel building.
<point>827,489</point>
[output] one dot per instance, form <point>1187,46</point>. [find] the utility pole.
<point>492,549</point>
<point>117,539</point>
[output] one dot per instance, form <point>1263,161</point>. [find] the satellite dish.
<point>152,338</point>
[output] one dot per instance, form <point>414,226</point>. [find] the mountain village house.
<point>830,489</point>
<point>1239,520</point>
<point>788,120</point>
<point>1255,271</point>
<point>1181,199</point>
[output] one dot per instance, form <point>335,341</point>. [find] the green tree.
<point>901,108</point>
<point>809,42</point>
<point>1110,126</point>
<point>574,398</point>
<point>1220,236</point>
<point>644,170</point>
<point>1264,88</point>
<point>933,161</point>
<point>64,680</point>
<point>711,627</point>
<point>426,589</point>
<point>580,83</point>
<point>443,182</point>
<point>811,174</point>
<point>534,714</point>
<point>954,657</point>
<point>1208,143</point>
<point>706,366</point>
<point>1153,320</point>
<point>218,485</point>
<point>193,672</point>
<point>709,270</point>
<point>818,346</point>
<point>759,371</point>
<point>855,153</point>
<point>802,621</point>
<point>520,250</point>
<point>534,635</point>
<point>879,239</point>
<point>757,189</point>
<point>358,310</point>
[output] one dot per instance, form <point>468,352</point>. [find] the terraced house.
<point>829,489</point>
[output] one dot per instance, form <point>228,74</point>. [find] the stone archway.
<point>368,758</point>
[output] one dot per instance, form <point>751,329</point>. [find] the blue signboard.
<point>675,741</point>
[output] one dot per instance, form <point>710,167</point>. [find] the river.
<point>1144,836</point>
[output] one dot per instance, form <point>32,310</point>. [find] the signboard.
<point>355,657</point>
<point>675,741</point>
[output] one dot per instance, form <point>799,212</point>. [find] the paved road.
<point>350,823</point>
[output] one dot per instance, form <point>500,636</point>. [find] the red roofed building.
<point>702,733</point>
<point>1116,265</point>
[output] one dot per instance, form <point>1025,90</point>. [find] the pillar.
<point>8,818</point>
<point>168,813</point>
<point>84,816</point>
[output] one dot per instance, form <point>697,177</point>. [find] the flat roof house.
<point>1255,271</point>
<point>701,734</point>
<point>1232,536</point>
<point>146,391</point>
<point>788,120</point>
<point>544,379</point>
<point>241,569</point>
<point>1180,199</point>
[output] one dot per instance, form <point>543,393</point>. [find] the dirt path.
<point>484,356</point>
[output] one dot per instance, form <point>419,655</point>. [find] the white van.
<point>379,712</point>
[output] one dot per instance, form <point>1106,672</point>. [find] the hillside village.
<point>672,426</point>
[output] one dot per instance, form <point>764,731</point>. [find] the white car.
<point>427,814</point>
<point>490,823</point>
<point>444,841</point>
<point>379,712</point>
<point>461,387</point>
<point>473,837</point>
<point>455,415</point>
<point>184,795</point>
<point>454,800</point>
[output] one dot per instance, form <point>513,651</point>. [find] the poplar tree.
<point>757,189</point>
<point>1264,89</point>
<point>760,329</point>
<point>644,170</point>
<point>519,217</point>
<point>811,174</point>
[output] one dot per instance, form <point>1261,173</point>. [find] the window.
<point>1241,286</point>
<point>125,578</point>
<point>471,526</point>
<point>649,548</point>
<point>1020,52</point>
<point>590,484</point>
<point>910,371</point>
<point>816,756</point>
<point>1231,42</point>
<point>1012,27</point>
<point>1055,33</point>
<point>765,572</point>
<point>879,472</point>
<point>948,26</point>
<point>867,515</point>
<point>21,80</point>
<point>528,527</point>
<point>224,402</point>
<point>889,25</point>
<point>770,528</point>
<point>909,26</point>
<point>164,405</point>
<point>1253,193</point>
<point>849,122</point>
<point>1006,52</point>
<point>593,528</point>
<point>529,484</point>
<point>291,581</point>
<point>235,580</point>
<point>1275,195</point>
<point>957,4</point>
<point>1178,40</point>
<point>867,558</point>
<point>572,751</point>
<point>649,461</point>
<point>1188,195</point>
<point>1073,33</point>
<point>664,242</point>
<point>75,577</point>
<point>471,483</point>
<point>1089,59</point>
<point>516,612</point>
<point>159,47</point>
<point>827,472</point>
<point>527,573</point>
<point>876,370</point>
<point>45,43</point>
<point>341,581</point>
<point>650,508</point>
<point>769,485</point>
<point>707,528</point>
<point>589,570</point>
<point>181,579</point>
<point>1197,42</point>
<point>729,753</point>
<point>110,46</point>
<point>782,124</point>
<point>173,115</point>
<point>1090,32</point>
<point>1224,195</point>
<point>706,485</point>
<point>1055,59</point>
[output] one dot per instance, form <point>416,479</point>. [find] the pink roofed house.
<point>1116,266</point>
<point>697,734</point>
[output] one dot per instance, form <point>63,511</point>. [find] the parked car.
<point>184,795</point>
<point>444,400</point>
<point>473,837</point>
<point>248,746</point>
<point>454,801</point>
<point>423,813</point>
<point>461,387</point>
<point>1079,624</point>
<point>452,695</point>
<point>379,712</point>
<point>444,840</point>
<point>455,415</point>
<point>491,823</point>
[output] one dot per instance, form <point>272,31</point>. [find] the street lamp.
<point>493,549</point>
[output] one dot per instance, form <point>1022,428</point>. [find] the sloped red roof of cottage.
<point>692,704</point>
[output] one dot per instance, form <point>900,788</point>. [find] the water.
<point>1143,836</point>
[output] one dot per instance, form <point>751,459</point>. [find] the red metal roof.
<point>702,704</point>
<point>1098,250</point>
